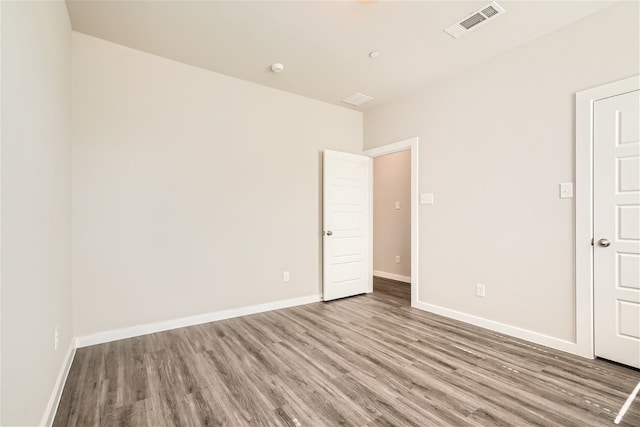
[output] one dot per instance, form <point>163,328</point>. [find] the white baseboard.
<point>150,328</point>
<point>56,394</point>
<point>392,276</point>
<point>534,337</point>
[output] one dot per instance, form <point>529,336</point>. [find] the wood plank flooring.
<point>369,360</point>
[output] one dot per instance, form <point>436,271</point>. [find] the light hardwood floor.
<point>368,360</point>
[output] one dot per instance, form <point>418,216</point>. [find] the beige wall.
<point>391,226</point>
<point>495,142</point>
<point>192,191</point>
<point>36,205</point>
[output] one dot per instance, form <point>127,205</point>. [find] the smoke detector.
<point>277,67</point>
<point>474,20</point>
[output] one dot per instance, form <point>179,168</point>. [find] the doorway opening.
<point>392,225</point>
<point>395,219</point>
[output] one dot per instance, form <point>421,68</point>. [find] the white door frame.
<point>584,207</point>
<point>407,144</point>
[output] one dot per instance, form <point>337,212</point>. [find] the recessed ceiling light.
<point>374,54</point>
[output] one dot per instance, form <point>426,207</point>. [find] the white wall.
<point>36,205</point>
<point>391,226</point>
<point>496,141</point>
<point>192,191</point>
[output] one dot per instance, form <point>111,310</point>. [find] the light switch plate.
<point>566,190</point>
<point>397,205</point>
<point>426,198</point>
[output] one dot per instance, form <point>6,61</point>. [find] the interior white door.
<point>616,227</point>
<point>347,182</point>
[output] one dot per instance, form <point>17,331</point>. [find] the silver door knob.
<point>329,233</point>
<point>604,243</point>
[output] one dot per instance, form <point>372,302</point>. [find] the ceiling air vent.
<point>472,21</point>
<point>357,99</point>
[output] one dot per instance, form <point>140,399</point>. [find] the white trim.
<point>391,276</point>
<point>502,328</point>
<point>1,145</point>
<point>407,144</point>
<point>391,148</point>
<point>584,207</point>
<point>370,234</point>
<point>56,394</point>
<point>150,328</point>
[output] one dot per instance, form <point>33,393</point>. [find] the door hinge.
<point>592,242</point>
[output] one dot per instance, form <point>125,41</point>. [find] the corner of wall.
<point>35,294</point>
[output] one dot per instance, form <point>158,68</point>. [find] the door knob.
<point>604,243</point>
<point>329,233</point>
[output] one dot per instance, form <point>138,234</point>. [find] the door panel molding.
<point>347,228</point>
<point>584,339</point>
<point>616,220</point>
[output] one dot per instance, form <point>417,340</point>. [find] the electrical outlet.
<point>397,259</point>
<point>56,338</point>
<point>480,290</point>
<point>285,276</point>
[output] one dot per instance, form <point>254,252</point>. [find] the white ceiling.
<point>324,45</point>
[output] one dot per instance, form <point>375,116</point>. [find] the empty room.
<point>319,213</point>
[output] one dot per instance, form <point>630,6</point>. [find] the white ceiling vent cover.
<point>474,20</point>
<point>357,99</point>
